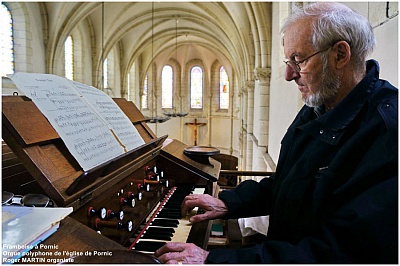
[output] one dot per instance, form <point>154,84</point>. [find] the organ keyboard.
<point>121,205</point>
<point>166,224</point>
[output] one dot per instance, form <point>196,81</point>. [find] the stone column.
<point>250,105</point>
<point>250,123</point>
<point>261,105</point>
<point>243,127</point>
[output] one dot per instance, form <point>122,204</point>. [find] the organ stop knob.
<point>102,212</point>
<point>128,226</point>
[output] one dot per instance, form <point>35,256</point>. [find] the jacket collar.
<point>329,126</point>
<point>340,116</point>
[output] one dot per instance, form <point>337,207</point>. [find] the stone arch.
<point>214,85</point>
<point>81,36</point>
<point>28,43</point>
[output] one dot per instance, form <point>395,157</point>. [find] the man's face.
<point>316,84</point>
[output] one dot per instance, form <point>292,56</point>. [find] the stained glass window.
<point>69,58</point>
<point>223,89</point>
<point>196,87</point>
<point>166,86</point>
<point>144,95</point>
<point>7,43</point>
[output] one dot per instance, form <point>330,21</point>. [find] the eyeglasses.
<point>30,200</point>
<point>295,65</point>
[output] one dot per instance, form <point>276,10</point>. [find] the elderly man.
<point>334,196</point>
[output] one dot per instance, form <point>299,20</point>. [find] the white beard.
<point>327,92</point>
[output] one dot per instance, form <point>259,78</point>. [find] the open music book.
<point>91,124</point>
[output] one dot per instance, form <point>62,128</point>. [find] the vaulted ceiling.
<point>235,33</point>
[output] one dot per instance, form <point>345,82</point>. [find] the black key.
<point>169,215</point>
<point>148,245</point>
<point>165,222</point>
<point>161,230</point>
<point>156,236</point>
<point>165,212</point>
<point>159,233</point>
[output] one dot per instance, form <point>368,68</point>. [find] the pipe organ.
<point>126,208</point>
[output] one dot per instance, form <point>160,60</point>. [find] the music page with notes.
<point>91,124</point>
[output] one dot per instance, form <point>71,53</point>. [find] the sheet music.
<point>87,136</point>
<point>115,119</point>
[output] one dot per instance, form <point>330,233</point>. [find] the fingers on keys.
<point>170,253</point>
<point>188,204</point>
<point>181,253</point>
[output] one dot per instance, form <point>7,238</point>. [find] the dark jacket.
<point>334,196</point>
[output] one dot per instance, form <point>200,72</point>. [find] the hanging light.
<point>174,114</point>
<point>180,114</point>
<point>154,119</point>
<point>103,81</point>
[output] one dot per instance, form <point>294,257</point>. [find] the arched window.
<point>223,89</point>
<point>144,95</point>
<point>196,87</point>
<point>6,39</point>
<point>69,58</point>
<point>166,86</point>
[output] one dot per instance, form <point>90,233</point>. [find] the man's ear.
<point>342,53</point>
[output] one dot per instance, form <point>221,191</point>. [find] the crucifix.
<point>195,125</point>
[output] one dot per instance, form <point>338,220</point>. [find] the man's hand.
<point>181,253</point>
<point>213,208</point>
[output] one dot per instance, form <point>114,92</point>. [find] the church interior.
<point>204,73</point>
<point>138,39</point>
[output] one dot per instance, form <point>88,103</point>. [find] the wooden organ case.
<point>108,189</point>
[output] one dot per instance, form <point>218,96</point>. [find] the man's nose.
<point>290,73</point>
